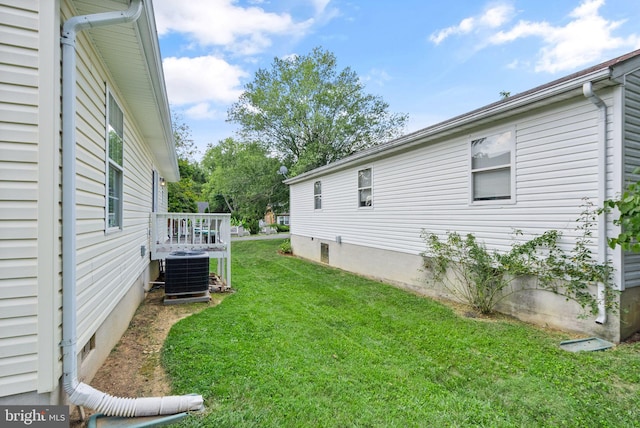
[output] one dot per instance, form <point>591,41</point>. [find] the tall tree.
<point>244,177</point>
<point>184,194</point>
<point>310,113</point>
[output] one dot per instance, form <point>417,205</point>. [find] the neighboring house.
<point>547,148</point>
<point>282,219</point>
<point>124,151</point>
<point>270,217</point>
<point>203,207</point>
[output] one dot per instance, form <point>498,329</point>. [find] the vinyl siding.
<point>556,165</point>
<point>109,263</point>
<point>631,161</point>
<point>19,43</point>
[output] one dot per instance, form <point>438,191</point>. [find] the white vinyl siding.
<point>427,187</point>
<point>108,265</point>
<point>19,176</point>
<point>631,137</point>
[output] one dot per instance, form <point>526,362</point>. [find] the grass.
<point>303,345</point>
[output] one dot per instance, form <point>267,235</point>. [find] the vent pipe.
<point>79,393</point>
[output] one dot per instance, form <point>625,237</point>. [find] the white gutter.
<point>79,393</point>
<point>587,90</point>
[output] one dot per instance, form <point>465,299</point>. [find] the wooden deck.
<point>193,232</point>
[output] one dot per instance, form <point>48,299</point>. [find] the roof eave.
<point>166,149</point>
<point>564,88</point>
<point>131,53</point>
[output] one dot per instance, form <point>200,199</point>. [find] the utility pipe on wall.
<point>587,90</point>
<point>79,393</point>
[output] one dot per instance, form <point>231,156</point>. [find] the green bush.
<point>253,226</point>
<point>281,228</point>
<point>285,247</point>
<point>481,278</point>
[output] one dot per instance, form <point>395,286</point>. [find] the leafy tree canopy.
<point>628,206</point>
<point>184,194</point>
<point>244,177</point>
<point>311,114</point>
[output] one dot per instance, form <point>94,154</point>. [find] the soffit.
<point>131,53</point>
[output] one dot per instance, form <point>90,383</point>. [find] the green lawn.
<point>303,345</point>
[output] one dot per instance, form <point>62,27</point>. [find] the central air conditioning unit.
<point>186,272</point>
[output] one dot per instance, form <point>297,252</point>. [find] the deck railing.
<point>193,232</point>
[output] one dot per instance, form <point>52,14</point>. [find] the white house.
<point>85,149</point>
<point>549,147</point>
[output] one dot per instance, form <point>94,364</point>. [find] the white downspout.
<point>79,393</point>
<point>587,90</point>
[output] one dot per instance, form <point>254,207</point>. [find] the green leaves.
<point>245,177</point>
<point>310,113</point>
<point>481,278</point>
<point>629,220</point>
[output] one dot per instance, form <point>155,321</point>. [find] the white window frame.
<point>511,166</point>
<point>317,195</point>
<point>155,191</point>
<point>113,223</point>
<point>370,187</point>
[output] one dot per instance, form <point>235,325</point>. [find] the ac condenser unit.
<point>186,272</point>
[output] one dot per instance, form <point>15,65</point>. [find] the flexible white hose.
<point>85,395</point>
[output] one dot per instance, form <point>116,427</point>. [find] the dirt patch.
<point>133,368</point>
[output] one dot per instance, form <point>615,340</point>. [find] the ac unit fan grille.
<point>186,272</point>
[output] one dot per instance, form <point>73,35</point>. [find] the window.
<point>364,188</point>
<point>491,159</point>
<point>155,183</point>
<point>317,195</point>
<point>115,148</point>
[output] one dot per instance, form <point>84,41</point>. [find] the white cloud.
<point>242,30</point>
<point>204,111</point>
<point>377,76</point>
<point>202,79</point>
<point>584,39</point>
<point>320,5</point>
<point>493,17</point>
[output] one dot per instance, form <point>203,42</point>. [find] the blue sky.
<point>430,59</point>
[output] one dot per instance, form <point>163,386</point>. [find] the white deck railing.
<point>193,232</point>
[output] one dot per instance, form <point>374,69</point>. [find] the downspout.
<point>79,393</point>
<point>587,90</point>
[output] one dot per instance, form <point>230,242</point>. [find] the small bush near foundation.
<point>285,247</point>
<point>481,278</point>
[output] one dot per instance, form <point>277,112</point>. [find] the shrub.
<point>480,278</point>
<point>281,227</point>
<point>285,247</point>
<point>253,226</point>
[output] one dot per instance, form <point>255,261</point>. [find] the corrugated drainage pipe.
<point>79,393</point>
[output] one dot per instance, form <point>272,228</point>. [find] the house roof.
<point>601,75</point>
<point>132,54</point>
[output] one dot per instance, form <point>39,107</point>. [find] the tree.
<point>185,146</point>
<point>311,114</point>
<point>184,194</point>
<point>628,206</point>
<point>244,177</point>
